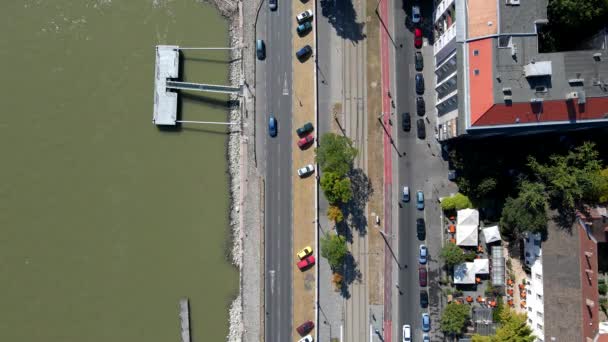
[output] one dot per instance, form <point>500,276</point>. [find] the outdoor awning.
<point>481,266</point>
<point>491,234</point>
<point>464,273</point>
<point>466,235</point>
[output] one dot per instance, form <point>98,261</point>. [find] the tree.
<point>456,202</point>
<point>576,13</point>
<point>454,318</point>
<point>603,197</point>
<point>335,154</point>
<point>573,177</point>
<point>479,338</point>
<point>513,328</point>
<point>452,255</point>
<point>527,212</point>
<point>333,248</point>
<point>485,187</point>
<point>335,214</point>
<point>336,188</point>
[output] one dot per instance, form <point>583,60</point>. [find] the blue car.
<point>272,126</point>
<point>426,322</point>
<point>422,254</point>
<point>420,200</point>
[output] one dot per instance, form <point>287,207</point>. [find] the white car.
<point>416,14</point>
<point>407,333</point>
<point>306,170</point>
<point>304,16</point>
<point>307,338</point>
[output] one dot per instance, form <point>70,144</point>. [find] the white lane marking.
<point>341,333</point>
<point>271,272</point>
<point>371,334</point>
<point>285,90</point>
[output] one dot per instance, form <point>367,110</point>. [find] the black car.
<point>272,4</point>
<point>424,299</point>
<point>304,53</point>
<point>420,107</point>
<point>421,129</point>
<point>406,121</point>
<point>420,229</point>
<point>419,61</point>
<point>419,84</point>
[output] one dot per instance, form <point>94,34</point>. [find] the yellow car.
<point>306,251</point>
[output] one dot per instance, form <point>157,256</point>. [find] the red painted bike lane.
<point>388,173</point>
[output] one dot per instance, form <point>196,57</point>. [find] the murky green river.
<point>105,221</point>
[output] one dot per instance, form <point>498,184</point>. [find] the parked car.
<point>452,175</point>
<point>304,28</point>
<point>272,126</point>
<point>416,14</point>
<point>307,338</point>
<point>304,53</point>
<point>422,254</point>
<point>420,200</point>
<point>304,16</point>
<point>272,4</point>
<point>421,129</point>
<point>419,61</point>
<point>420,229</point>
<point>417,38</point>
<point>306,262</point>
<point>260,49</point>
<point>419,84</point>
<point>426,322</point>
<point>424,299</point>
<point>307,140</point>
<point>304,252</point>
<point>422,277</point>
<point>407,333</point>
<point>307,128</point>
<point>426,338</point>
<point>306,170</point>
<point>305,328</point>
<point>420,106</point>
<point>406,121</point>
<point>406,194</point>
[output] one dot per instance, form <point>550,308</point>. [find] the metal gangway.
<point>204,87</point>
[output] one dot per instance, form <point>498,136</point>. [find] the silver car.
<point>306,170</point>
<point>304,16</point>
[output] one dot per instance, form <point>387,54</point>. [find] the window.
<point>476,71</point>
<point>475,52</point>
<point>540,297</point>
<point>530,308</point>
<point>539,326</point>
<point>539,314</point>
<point>538,276</point>
<point>529,321</point>
<point>529,291</point>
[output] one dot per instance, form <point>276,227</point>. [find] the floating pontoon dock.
<point>166,71</point>
<point>184,318</point>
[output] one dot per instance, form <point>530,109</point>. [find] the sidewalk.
<point>303,202</point>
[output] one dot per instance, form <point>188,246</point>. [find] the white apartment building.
<point>534,287</point>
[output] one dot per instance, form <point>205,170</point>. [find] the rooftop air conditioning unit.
<point>536,100</point>
<point>512,2</point>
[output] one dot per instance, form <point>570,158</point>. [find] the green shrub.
<point>603,288</point>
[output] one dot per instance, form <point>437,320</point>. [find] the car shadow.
<point>343,17</point>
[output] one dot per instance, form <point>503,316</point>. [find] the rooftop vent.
<point>506,90</point>
<point>541,89</point>
<point>576,81</point>
<point>535,68</point>
<point>572,95</point>
<point>512,2</point>
<point>597,56</point>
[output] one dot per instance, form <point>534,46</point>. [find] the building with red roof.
<point>491,78</point>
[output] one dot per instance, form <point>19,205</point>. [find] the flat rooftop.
<point>165,101</point>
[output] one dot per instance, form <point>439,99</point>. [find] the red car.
<point>417,38</point>
<point>306,263</point>
<point>422,276</point>
<point>306,141</point>
<point>305,328</point>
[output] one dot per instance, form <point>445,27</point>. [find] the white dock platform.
<point>165,102</point>
<point>184,318</point>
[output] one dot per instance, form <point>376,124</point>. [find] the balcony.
<point>444,39</point>
<point>442,8</point>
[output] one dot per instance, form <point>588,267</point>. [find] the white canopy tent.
<point>481,266</point>
<point>466,227</point>
<point>491,234</point>
<point>464,273</point>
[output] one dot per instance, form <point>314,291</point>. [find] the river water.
<point>106,221</point>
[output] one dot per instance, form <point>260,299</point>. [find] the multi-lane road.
<point>274,86</point>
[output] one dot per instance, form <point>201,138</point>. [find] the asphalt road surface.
<point>273,94</point>
<point>420,168</point>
